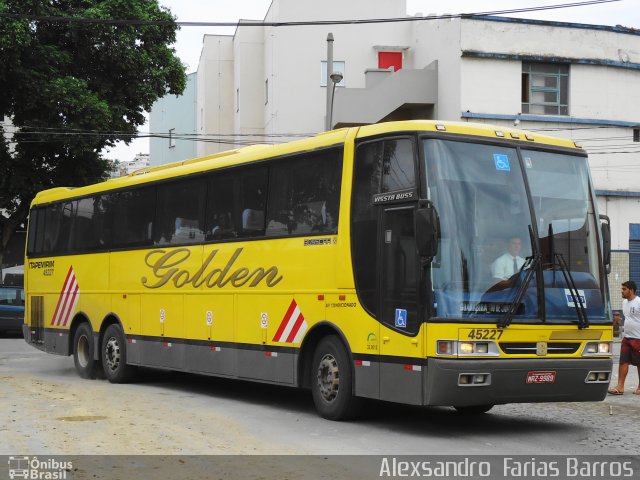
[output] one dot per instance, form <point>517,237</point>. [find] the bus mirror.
<point>427,226</point>
<point>605,229</point>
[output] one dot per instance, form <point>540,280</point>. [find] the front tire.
<point>332,380</point>
<point>114,356</point>
<point>83,352</point>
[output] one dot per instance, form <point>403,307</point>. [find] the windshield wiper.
<point>578,304</point>
<point>532,266</point>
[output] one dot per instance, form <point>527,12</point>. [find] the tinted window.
<point>11,296</point>
<point>221,217</point>
<point>304,195</point>
<point>57,232</point>
<point>364,227</point>
<point>398,170</point>
<point>90,229</point>
<point>180,213</point>
<point>133,213</point>
<point>251,188</point>
<point>36,231</point>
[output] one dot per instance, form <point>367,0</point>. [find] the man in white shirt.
<point>510,263</point>
<point>630,346</point>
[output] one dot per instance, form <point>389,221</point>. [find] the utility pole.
<point>327,122</point>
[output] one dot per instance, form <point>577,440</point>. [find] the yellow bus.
<point>418,262</point>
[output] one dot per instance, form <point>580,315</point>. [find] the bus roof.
<point>325,139</point>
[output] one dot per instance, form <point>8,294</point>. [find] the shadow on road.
<point>434,421</point>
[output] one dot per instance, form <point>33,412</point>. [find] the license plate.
<point>541,377</point>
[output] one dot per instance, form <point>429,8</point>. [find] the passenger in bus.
<point>509,263</point>
<point>221,227</point>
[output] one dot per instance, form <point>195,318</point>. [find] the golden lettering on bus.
<point>165,266</point>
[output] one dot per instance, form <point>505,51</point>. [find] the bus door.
<point>401,346</point>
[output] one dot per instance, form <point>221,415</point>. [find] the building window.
<point>636,134</point>
<point>172,137</point>
<point>266,91</point>
<point>337,67</point>
<point>237,100</point>
<point>390,60</point>
<point>545,88</point>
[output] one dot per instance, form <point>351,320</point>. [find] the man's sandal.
<point>616,391</point>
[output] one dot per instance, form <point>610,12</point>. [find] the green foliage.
<point>58,79</point>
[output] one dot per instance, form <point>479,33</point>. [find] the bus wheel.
<point>83,354</point>
<point>474,409</point>
<point>114,355</point>
<point>332,380</point>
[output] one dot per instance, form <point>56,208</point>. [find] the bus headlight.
<point>470,348</point>
<point>446,347</point>
<point>467,348</point>
<point>597,348</point>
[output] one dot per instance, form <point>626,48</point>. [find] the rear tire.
<point>332,380</point>
<point>83,352</point>
<point>474,409</point>
<point>114,356</point>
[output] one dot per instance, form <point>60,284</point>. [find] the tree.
<point>73,84</point>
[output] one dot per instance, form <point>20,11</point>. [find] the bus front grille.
<point>531,348</point>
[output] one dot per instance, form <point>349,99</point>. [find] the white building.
<point>266,84</point>
<point>121,169</point>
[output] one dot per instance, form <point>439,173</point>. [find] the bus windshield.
<point>486,232</point>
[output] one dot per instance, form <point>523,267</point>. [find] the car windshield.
<point>11,296</point>
<point>486,231</point>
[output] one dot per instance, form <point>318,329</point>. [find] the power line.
<point>105,21</point>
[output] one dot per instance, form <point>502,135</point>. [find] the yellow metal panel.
<point>576,335</point>
<point>209,316</point>
<point>262,317</point>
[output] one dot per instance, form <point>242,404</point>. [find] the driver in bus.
<point>509,263</point>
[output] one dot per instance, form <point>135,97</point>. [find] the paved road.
<point>47,409</point>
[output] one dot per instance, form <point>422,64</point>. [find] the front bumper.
<point>508,381</point>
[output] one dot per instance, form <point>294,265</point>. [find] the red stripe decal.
<point>64,286</point>
<point>72,304</point>
<point>285,320</point>
<point>296,327</point>
<point>65,301</point>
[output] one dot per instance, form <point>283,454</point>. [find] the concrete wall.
<point>249,78</point>
<point>491,86</point>
<point>604,92</point>
<point>526,38</point>
<point>293,55</point>
<point>440,40</point>
<point>215,93</point>
<point>177,113</point>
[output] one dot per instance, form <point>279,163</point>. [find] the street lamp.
<point>336,78</point>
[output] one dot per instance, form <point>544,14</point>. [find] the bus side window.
<point>304,194</point>
<point>180,212</point>
<point>133,213</point>
<point>252,188</point>
<point>220,223</point>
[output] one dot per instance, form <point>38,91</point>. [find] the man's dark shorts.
<point>630,351</point>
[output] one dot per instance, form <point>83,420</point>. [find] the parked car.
<point>11,308</point>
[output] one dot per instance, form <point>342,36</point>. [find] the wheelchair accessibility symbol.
<point>401,318</point>
<point>502,162</point>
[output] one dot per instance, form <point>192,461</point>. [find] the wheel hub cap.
<point>112,354</point>
<point>328,377</point>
